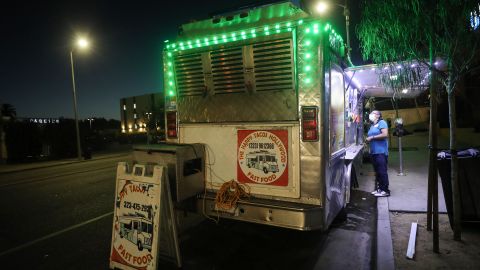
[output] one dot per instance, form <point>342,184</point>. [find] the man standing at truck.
<point>378,138</point>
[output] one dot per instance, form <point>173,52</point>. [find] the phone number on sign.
<point>136,206</point>
<point>261,145</point>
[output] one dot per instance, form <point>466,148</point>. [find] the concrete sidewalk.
<point>409,192</point>
<point>9,168</point>
<point>409,195</point>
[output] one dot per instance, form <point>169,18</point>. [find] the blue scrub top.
<point>378,146</point>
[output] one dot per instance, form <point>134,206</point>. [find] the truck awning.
<point>368,78</point>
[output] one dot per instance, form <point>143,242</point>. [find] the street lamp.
<point>322,6</point>
<point>90,121</point>
<point>81,44</point>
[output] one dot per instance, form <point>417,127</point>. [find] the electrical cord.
<point>230,193</point>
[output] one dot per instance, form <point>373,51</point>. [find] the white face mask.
<point>372,117</point>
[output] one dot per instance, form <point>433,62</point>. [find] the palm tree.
<point>7,113</point>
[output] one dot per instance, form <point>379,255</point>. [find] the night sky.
<point>124,59</point>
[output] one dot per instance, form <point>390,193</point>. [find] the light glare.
<point>321,7</point>
<point>82,43</point>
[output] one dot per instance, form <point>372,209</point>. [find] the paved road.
<point>60,218</point>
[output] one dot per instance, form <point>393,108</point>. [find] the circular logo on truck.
<point>262,157</point>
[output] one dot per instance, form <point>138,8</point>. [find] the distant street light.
<point>90,121</point>
<point>82,44</point>
<point>322,6</point>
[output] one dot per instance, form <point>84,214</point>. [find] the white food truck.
<point>137,230</point>
<point>264,90</point>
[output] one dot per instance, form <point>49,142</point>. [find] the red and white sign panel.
<point>262,157</point>
<point>136,220</point>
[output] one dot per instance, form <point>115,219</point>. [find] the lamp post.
<point>90,121</point>
<point>322,7</point>
<point>81,44</point>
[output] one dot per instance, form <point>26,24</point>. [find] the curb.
<point>385,259</point>
<point>58,164</point>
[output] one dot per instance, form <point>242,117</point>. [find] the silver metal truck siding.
<point>269,106</point>
<point>235,91</point>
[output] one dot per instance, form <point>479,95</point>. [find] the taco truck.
<point>265,86</point>
<point>262,160</point>
<point>137,230</point>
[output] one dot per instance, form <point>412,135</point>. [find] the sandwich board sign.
<point>141,208</point>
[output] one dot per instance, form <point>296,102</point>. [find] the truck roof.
<point>246,18</point>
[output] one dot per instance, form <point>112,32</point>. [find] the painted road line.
<point>46,237</point>
<point>51,177</point>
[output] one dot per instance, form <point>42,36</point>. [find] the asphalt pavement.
<point>59,217</point>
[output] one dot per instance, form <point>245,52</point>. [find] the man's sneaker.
<point>382,194</point>
<point>375,191</point>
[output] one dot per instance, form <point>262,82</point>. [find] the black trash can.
<point>469,180</point>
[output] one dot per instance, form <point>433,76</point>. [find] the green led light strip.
<point>169,79</point>
<point>266,30</point>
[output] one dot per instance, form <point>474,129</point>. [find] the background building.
<point>140,114</point>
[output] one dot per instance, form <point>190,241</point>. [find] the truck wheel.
<point>265,170</point>
<point>140,246</point>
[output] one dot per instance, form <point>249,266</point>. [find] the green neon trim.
<point>166,41</point>
<point>277,28</point>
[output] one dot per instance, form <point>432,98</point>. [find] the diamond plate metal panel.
<point>239,107</point>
